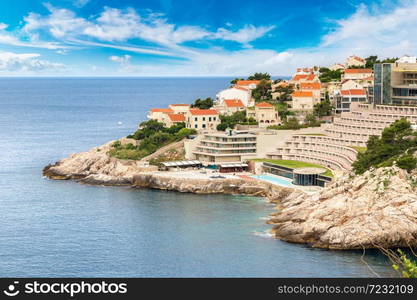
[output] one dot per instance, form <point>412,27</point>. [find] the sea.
<point>65,229</point>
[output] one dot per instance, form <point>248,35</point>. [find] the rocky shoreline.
<point>376,209</point>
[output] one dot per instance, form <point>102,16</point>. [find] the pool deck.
<point>306,189</point>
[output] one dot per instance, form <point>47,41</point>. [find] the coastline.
<point>352,213</point>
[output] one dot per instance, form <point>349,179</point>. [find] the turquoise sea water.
<point>61,228</point>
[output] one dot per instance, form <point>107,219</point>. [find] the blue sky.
<point>196,38</point>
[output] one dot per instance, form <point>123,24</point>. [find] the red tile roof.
<point>248,82</point>
<point>357,71</point>
<point>299,77</point>
<point>358,58</point>
<point>203,112</point>
<point>163,110</point>
<point>353,92</point>
<point>263,104</point>
<point>302,94</point>
<point>240,88</point>
<point>310,85</point>
<point>177,117</point>
<point>233,103</point>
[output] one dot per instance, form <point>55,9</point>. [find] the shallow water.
<point>60,228</point>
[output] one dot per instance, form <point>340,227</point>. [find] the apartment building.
<point>236,92</point>
<point>230,146</point>
<point>159,114</point>
<point>357,74</point>
<point>355,61</point>
<point>174,119</point>
<point>395,83</point>
<point>345,97</point>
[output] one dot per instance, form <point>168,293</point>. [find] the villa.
<point>336,67</point>
<point>236,92</point>
<point>357,74</point>
<point>202,119</point>
<point>265,114</point>
<point>249,84</point>
<point>174,119</point>
<point>303,100</point>
<point>180,108</point>
<point>230,106</point>
<point>159,114</point>
<point>355,61</point>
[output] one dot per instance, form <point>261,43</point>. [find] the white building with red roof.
<point>180,108</point>
<point>357,74</point>
<point>174,119</point>
<point>202,119</point>
<point>303,100</point>
<point>236,92</point>
<point>159,114</point>
<point>230,106</point>
<point>249,84</point>
<point>355,61</point>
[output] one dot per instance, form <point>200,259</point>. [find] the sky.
<point>197,37</point>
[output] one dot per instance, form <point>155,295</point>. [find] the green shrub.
<point>405,266</point>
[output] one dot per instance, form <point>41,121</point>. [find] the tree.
<point>323,108</point>
<point>234,81</point>
<point>260,76</point>
<point>397,143</point>
<point>263,91</point>
<point>203,104</point>
<point>238,117</point>
<point>327,75</point>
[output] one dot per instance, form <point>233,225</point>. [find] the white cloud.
<point>117,25</point>
<point>244,35</point>
<point>26,63</point>
<point>124,62</point>
<point>80,3</point>
<point>365,32</point>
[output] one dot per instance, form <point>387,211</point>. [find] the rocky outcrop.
<point>95,167</point>
<point>242,186</point>
<point>376,209</point>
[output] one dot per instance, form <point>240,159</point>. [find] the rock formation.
<point>376,209</point>
<point>96,167</point>
<point>243,186</point>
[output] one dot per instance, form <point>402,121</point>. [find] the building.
<point>180,108</point>
<point>314,87</point>
<point>355,61</point>
<point>336,67</point>
<point>174,119</point>
<point>395,83</point>
<point>226,147</point>
<point>235,92</point>
<point>230,106</point>
<point>249,84</point>
<point>298,78</point>
<point>159,114</point>
<point>303,100</point>
<point>347,96</point>
<point>406,59</point>
<point>202,119</point>
<point>265,114</point>
<point>357,74</point>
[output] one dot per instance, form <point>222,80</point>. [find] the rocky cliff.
<point>376,209</point>
<point>95,167</point>
<point>243,186</point>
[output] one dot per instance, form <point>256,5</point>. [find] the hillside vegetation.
<point>152,136</point>
<point>397,143</point>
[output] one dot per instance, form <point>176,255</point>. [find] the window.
<point>209,119</point>
<point>204,125</point>
<point>195,119</point>
<point>204,118</point>
<point>214,118</point>
<point>195,126</point>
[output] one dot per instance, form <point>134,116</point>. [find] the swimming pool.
<point>274,179</point>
